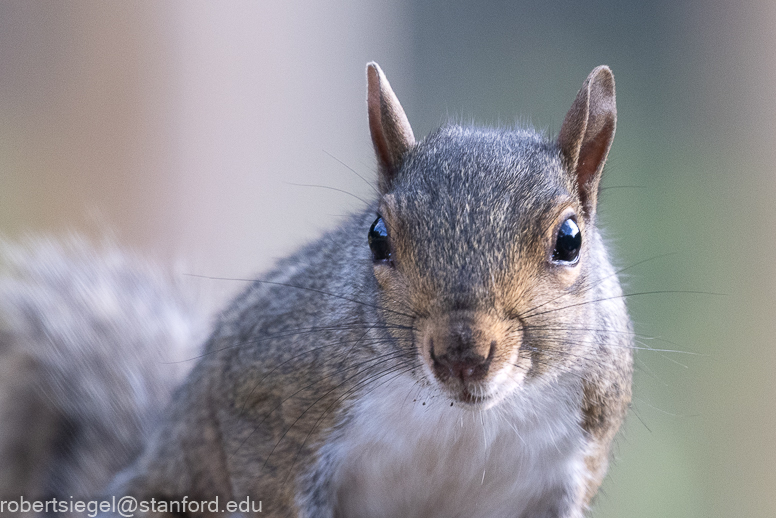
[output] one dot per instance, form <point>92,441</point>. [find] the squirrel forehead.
<point>480,171</point>
<point>482,164</point>
<point>468,200</point>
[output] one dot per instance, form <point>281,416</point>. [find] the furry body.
<point>454,366</point>
<point>322,399</point>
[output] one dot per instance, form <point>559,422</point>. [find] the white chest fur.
<point>403,458</point>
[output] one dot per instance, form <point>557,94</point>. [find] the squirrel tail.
<point>92,345</point>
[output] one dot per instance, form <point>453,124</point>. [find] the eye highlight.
<point>379,242</point>
<point>567,243</point>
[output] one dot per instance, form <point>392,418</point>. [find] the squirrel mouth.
<point>464,395</point>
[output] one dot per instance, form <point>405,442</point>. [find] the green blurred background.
<point>182,127</point>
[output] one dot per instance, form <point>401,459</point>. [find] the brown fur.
<point>468,303</point>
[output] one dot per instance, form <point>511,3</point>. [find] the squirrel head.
<point>486,239</point>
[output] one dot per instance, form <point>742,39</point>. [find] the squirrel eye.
<point>378,241</point>
<point>568,242</point>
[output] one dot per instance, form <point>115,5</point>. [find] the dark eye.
<point>378,241</point>
<point>568,242</point>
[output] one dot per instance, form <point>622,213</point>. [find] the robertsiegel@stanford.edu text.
<point>127,506</point>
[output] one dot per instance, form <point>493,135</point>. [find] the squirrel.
<point>461,347</point>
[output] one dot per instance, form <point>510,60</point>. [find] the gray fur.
<point>305,360</point>
<point>92,332</point>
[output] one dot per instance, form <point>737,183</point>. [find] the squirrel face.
<point>502,241</point>
<point>483,241</point>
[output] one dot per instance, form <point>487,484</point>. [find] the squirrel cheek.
<point>386,276</point>
<point>393,285</point>
<point>568,274</point>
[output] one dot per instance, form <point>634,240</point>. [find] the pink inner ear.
<point>375,112</point>
<point>378,136</point>
<point>591,156</point>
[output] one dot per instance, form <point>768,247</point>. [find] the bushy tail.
<point>92,345</point>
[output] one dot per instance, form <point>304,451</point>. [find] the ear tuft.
<point>587,134</point>
<point>391,133</point>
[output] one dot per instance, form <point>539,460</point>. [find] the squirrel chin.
<point>475,401</point>
<point>468,401</point>
<point>480,396</point>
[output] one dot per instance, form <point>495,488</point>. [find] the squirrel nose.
<point>461,363</point>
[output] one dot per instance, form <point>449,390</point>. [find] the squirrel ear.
<point>391,132</point>
<point>587,133</point>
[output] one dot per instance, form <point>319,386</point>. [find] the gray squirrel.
<point>460,348</point>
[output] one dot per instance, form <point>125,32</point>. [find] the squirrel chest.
<point>416,457</point>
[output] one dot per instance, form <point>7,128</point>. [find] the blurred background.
<point>184,129</point>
